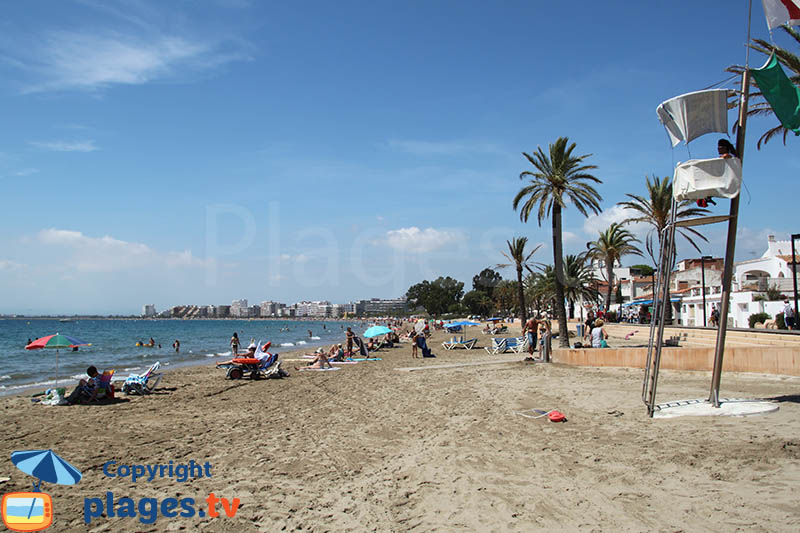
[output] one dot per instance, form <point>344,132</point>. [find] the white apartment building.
<point>149,310</point>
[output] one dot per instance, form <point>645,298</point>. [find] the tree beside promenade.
<point>559,177</point>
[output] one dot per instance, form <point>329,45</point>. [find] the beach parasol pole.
<point>727,272</point>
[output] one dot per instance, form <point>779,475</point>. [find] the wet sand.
<point>373,448</point>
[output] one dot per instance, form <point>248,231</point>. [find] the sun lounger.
<point>498,346</point>
<point>144,383</point>
<point>517,344</point>
<point>459,342</point>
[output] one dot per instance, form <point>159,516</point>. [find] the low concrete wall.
<point>762,360</point>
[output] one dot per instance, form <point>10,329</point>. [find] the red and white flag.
<point>782,12</point>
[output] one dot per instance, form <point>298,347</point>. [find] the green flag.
<point>783,96</point>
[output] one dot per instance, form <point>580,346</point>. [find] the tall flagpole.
<point>730,248</point>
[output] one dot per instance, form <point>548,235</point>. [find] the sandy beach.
<point>371,447</point>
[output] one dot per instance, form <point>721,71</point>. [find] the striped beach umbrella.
<point>56,341</point>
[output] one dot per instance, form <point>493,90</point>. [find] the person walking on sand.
<point>349,335</point>
<point>414,349</point>
<point>788,314</point>
<point>235,344</point>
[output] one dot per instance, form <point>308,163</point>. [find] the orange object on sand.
<point>556,416</point>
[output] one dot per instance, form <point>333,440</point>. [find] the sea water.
<point>113,345</point>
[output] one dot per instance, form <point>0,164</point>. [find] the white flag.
<point>782,12</point>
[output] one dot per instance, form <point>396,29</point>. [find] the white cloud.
<point>594,224</point>
<point>414,239</point>
<point>67,146</point>
<point>73,60</point>
<point>26,172</point>
<point>6,264</point>
<point>298,259</point>
<point>107,254</point>
<point>568,236</point>
<point>442,148</point>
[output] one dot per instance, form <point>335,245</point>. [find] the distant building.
<point>379,306</point>
<point>751,279</point>
<point>149,310</point>
<point>270,308</point>
<point>239,308</point>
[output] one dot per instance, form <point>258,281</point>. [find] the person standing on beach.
<point>235,344</point>
<point>530,329</point>
<point>350,336</point>
<point>414,349</point>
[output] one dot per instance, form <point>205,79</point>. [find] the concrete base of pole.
<point>727,407</point>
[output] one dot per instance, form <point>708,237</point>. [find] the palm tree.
<point>559,177</point>
<point>580,282</point>
<point>788,60</point>
<point>503,295</point>
<point>655,209</point>
<point>611,245</point>
<point>519,259</point>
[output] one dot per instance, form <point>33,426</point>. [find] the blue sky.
<point>196,152</point>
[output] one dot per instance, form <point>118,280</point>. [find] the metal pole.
<point>703,276</point>
<point>794,280</point>
<point>730,248</point>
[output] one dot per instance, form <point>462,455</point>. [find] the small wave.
<point>4,377</point>
<point>79,376</point>
<point>287,344</point>
<point>314,338</point>
<point>211,355</point>
<point>224,354</point>
<point>302,342</point>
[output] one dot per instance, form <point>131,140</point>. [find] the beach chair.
<point>519,345</point>
<point>266,367</point>
<point>143,383</point>
<point>498,346</point>
<point>104,387</point>
<point>459,342</point>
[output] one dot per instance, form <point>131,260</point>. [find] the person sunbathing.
<point>336,353</point>
<point>320,360</point>
<point>249,354</point>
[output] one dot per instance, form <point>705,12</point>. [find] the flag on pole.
<point>782,12</point>
<point>783,95</point>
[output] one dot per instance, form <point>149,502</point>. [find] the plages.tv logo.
<point>33,511</point>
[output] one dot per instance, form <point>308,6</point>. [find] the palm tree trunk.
<point>523,314</point>
<point>610,276</point>
<point>558,263</point>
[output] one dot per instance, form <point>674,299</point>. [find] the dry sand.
<point>371,448</point>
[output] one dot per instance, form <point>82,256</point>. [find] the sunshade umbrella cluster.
<point>56,341</point>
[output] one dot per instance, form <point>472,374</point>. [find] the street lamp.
<point>794,278</point>
<point>703,276</point>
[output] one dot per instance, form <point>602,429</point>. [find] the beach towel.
<point>688,116</point>
<point>307,369</point>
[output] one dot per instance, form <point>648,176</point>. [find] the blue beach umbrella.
<point>374,331</point>
<point>462,323</point>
